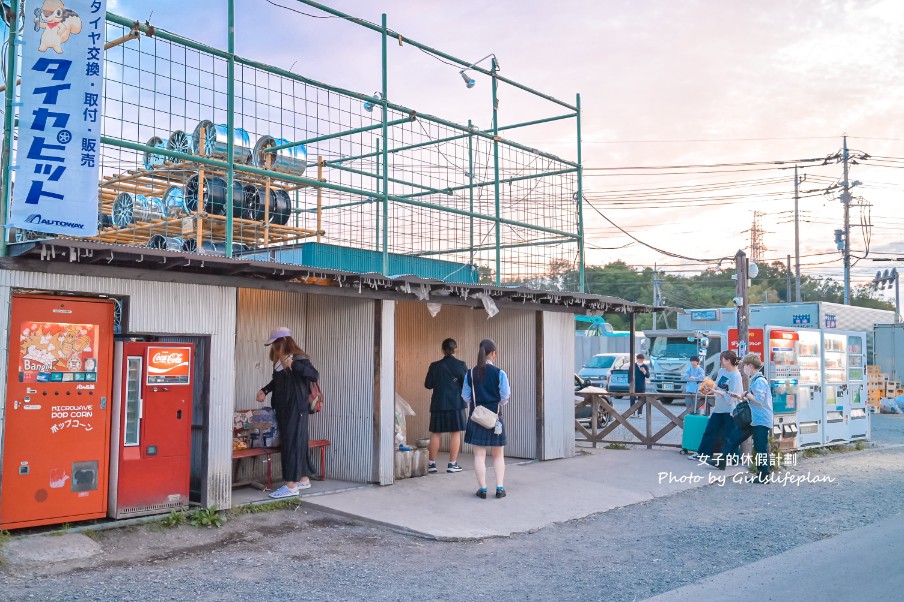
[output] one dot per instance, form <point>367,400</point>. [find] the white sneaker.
<point>284,492</point>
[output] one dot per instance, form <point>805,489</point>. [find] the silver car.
<point>596,370</point>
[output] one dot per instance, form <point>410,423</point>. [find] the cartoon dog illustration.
<point>58,24</point>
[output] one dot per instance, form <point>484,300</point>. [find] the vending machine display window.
<point>855,358</point>
<point>131,436</point>
<point>835,352</point>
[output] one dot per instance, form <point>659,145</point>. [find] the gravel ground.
<point>625,554</point>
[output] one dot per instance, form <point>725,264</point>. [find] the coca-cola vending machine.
<point>151,444</point>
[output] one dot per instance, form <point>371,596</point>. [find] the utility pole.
<point>846,200</point>
<point>788,294</point>
<point>797,182</point>
<point>657,295</point>
<point>741,302</point>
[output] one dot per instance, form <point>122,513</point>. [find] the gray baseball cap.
<point>279,333</point>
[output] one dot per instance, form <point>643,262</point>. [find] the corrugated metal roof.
<point>370,285</point>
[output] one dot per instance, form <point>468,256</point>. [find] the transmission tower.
<point>757,247</point>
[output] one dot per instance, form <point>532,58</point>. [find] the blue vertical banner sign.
<point>58,156</point>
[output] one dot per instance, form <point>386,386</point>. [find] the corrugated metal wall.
<point>418,340</point>
<point>338,333</point>
<point>558,385</point>
<point>167,309</point>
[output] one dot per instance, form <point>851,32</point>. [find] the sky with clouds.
<point>662,83</point>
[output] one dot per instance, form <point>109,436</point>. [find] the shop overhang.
<point>90,258</point>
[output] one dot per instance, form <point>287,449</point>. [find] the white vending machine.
<point>859,419</point>
<point>837,394</point>
<point>810,409</point>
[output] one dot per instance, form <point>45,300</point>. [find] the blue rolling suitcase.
<point>694,425</point>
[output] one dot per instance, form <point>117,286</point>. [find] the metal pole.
<point>632,347</point>
<point>471,192</point>
<point>897,301</point>
<point>846,200</point>
<point>385,158</point>
<point>378,205</point>
<point>796,236</point>
<point>655,296</point>
<point>496,174</point>
<point>743,306</point>
<point>581,259</point>
<point>8,120</point>
<point>788,293</point>
<point>230,127</point>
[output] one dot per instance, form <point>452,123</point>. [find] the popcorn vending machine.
<point>784,373</point>
<point>57,420</point>
<point>150,467</point>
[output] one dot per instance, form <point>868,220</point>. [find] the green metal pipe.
<point>471,190</point>
<point>498,205</point>
<point>581,275</point>
<point>339,205</point>
<point>230,126</point>
<point>360,130</point>
<point>439,53</point>
<point>502,181</point>
<point>385,153</point>
<point>165,35</point>
<point>367,174</point>
<point>399,149</point>
<point>312,182</point>
<point>556,241</point>
<point>377,206</point>
<point>8,119</point>
<point>451,138</point>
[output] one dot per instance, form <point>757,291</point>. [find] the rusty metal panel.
<point>558,385</point>
<point>167,309</point>
<point>340,339</point>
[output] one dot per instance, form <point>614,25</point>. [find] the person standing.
<point>293,374</point>
<point>641,374</point>
<point>488,386</point>
<point>721,424</point>
<point>446,378</point>
<point>760,399</point>
<point>693,376</point>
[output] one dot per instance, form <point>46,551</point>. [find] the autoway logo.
<point>35,218</point>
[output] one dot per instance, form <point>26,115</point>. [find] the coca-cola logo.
<point>172,358</point>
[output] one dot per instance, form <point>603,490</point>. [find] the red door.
<point>153,439</point>
<point>56,432</point>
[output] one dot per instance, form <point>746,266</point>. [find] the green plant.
<point>205,517</point>
<point>174,519</point>
<point>616,446</point>
<point>90,534</point>
<point>266,507</point>
<point>860,445</point>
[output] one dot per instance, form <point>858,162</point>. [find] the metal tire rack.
<point>198,225</point>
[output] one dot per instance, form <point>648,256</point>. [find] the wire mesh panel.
<point>442,199</point>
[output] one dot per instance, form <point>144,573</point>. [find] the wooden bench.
<point>253,452</point>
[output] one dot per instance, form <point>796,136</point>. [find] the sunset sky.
<point>662,83</point>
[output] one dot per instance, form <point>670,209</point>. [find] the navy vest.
<point>486,390</point>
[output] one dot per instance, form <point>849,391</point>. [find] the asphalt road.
<point>626,554</point>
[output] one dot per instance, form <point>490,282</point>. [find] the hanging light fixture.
<point>470,82</point>
<point>369,104</point>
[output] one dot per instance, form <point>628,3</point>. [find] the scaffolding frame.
<point>567,227</point>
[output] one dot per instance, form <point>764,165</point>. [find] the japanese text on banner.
<point>59,126</point>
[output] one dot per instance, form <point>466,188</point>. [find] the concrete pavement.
<point>861,564</point>
<point>443,506</point>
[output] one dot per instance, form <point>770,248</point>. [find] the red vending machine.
<point>151,443</point>
<point>57,420</point>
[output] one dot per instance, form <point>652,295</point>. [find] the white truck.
<point>670,351</point>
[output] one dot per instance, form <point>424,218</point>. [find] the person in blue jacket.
<point>641,374</point>
<point>759,396</point>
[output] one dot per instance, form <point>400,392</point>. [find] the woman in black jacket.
<point>293,374</point>
<point>447,408</point>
